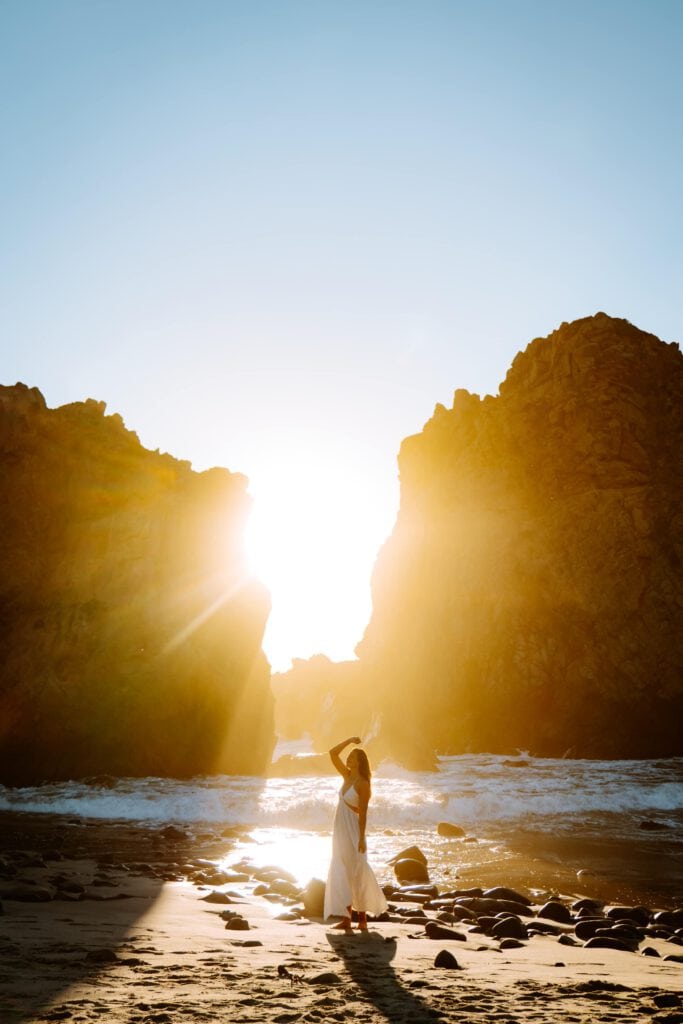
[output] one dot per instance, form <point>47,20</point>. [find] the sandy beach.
<point>114,924</point>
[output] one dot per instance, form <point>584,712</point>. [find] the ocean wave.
<point>473,792</point>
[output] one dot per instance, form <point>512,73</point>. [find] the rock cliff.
<point>531,593</point>
<point>130,635</point>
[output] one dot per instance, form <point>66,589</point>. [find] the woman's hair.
<point>363,763</point>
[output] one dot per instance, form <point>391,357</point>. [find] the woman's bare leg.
<point>362,921</point>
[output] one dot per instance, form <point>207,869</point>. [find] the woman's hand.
<point>362,847</point>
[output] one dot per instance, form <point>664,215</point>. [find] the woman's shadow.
<point>367,957</point>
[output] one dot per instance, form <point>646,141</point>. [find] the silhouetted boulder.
<point>130,632</point>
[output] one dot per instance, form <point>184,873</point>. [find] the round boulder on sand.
<point>409,870</point>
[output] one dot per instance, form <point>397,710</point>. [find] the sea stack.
<point>131,633</point>
<point>531,593</point>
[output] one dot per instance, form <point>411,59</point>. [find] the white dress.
<point>350,881</point>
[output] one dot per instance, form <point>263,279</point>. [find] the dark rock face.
<point>531,594</point>
<point>130,635</point>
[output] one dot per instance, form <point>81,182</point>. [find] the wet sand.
<point>124,933</point>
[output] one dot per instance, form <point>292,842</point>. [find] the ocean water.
<point>581,814</point>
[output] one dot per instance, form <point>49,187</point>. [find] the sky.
<point>273,234</point>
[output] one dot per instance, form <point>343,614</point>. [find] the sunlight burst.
<point>312,539</point>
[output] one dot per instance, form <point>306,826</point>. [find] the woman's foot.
<point>343,925</point>
<point>362,922</point>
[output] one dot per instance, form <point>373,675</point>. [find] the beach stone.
<point>543,927</point>
<point>462,914</point>
<point>450,831</point>
<point>586,929</point>
<point>326,978</point>
<point>283,887</point>
<point>485,905</point>
<point>500,892</point>
<point>666,999</point>
<point>474,893</point>
<point>607,942</point>
<point>652,826</point>
<point>314,898</point>
<point>674,958</point>
<point>216,897</point>
<point>102,956</point>
<point>510,907</point>
<point>623,930</point>
<point>407,869</point>
<point>444,958</point>
<point>511,944</point>
<point>567,940</point>
<point>639,915</point>
<point>237,924</point>
<point>555,912</point>
<point>509,928</point>
<point>434,930</point>
<point>280,873</point>
<point>672,918</point>
<point>649,951</point>
<point>486,921</point>
<point>425,889</point>
<point>410,853</point>
<point>587,904</point>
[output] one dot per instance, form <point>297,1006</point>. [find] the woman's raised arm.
<point>336,751</point>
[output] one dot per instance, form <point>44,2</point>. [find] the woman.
<point>351,885</point>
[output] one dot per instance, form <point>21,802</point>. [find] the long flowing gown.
<point>350,881</point>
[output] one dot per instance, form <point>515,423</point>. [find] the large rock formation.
<point>531,594</point>
<point>130,634</point>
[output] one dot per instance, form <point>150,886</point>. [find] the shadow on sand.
<point>367,957</point>
<point>96,888</point>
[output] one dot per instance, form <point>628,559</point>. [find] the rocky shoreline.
<point>142,924</point>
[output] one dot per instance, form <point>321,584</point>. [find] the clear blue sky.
<point>273,234</point>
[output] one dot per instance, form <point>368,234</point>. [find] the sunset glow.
<point>313,541</point>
